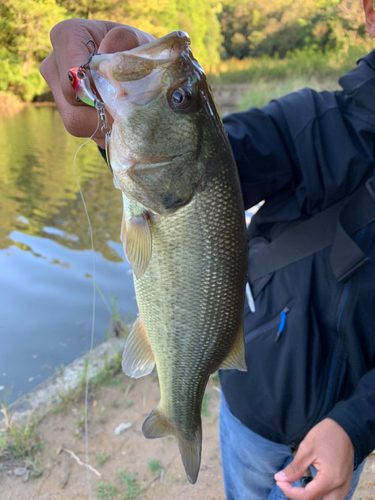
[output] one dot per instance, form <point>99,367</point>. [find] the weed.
<point>35,467</point>
<point>132,488</point>
<point>154,465</point>
<point>19,441</point>
<point>106,491</point>
<point>115,404</point>
<point>102,457</point>
<point>204,410</point>
<point>215,377</point>
<point>67,396</point>
<point>119,328</point>
<point>129,403</point>
<point>80,422</point>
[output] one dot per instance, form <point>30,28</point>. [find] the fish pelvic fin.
<point>236,357</point>
<point>137,243</point>
<point>138,359</point>
<point>190,444</point>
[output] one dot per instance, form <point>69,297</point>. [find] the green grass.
<point>102,457</point>
<point>106,491</point>
<point>19,441</point>
<point>154,465</point>
<point>261,91</point>
<point>132,488</point>
<point>107,375</point>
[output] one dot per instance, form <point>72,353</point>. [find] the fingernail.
<point>280,476</point>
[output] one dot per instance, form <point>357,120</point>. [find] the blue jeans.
<point>250,461</point>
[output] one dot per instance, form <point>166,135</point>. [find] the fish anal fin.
<point>138,243</point>
<point>236,357</point>
<point>156,425</point>
<point>138,359</point>
<point>190,444</point>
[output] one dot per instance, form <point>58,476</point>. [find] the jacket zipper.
<point>281,319</point>
<point>336,325</point>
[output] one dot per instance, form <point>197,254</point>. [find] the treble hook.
<point>94,53</point>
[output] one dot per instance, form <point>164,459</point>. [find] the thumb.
<point>123,38</point>
<point>295,470</point>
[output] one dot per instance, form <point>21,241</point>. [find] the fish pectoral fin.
<point>236,356</point>
<point>138,359</point>
<point>190,445</point>
<point>138,243</point>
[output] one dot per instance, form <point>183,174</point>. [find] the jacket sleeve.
<point>315,145</point>
<point>261,152</point>
<point>356,415</point>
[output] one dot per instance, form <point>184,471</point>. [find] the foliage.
<point>253,28</point>
<point>301,63</point>
<point>154,465</point>
<point>106,491</point>
<point>132,488</point>
<point>102,457</point>
<point>19,441</point>
<point>24,43</point>
<point>240,29</point>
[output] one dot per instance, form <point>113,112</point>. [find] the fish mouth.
<point>136,75</point>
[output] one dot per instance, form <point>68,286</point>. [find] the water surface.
<point>46,262</point>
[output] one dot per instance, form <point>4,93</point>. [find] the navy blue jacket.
<point>302,153</point>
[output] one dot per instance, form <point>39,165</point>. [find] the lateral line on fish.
<point>88,481</point>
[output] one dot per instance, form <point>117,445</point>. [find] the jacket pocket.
<point>277,324</point>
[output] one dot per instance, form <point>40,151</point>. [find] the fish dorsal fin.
<point>138,243</point>
<point>236,356</point>
<point>138,359</point>
<point>190,445</point>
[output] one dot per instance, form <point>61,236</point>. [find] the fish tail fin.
<point>190,450</point>
<point>190,445</point>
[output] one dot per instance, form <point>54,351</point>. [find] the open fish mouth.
<point>136,75</point>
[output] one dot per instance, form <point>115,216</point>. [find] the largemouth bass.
<point>183,229</point>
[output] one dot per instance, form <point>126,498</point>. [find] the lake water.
<point>46,262</point>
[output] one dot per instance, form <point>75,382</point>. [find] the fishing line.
<point>93,309</point>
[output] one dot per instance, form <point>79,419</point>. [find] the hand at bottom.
<point>329,449</point>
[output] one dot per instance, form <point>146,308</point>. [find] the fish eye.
<point>180,98</point>
<point>71,77</point>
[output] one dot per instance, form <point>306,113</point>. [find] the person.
<point>307,400</point>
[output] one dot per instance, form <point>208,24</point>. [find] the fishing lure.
<point>81,85</point>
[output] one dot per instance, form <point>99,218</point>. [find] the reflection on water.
<point>45,248</point>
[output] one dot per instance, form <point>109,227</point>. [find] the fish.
<point>183,229</point>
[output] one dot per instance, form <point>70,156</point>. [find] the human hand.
<point>69,40</point>
<point>329,449</point>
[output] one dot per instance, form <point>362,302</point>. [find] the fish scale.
<point>183,230</point>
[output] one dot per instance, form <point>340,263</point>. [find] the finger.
<point>320,487</point>
<point>123,38</point>
<point>296,469</point>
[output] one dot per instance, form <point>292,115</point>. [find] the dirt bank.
<point>127,463</point>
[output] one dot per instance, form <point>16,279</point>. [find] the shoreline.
<point>40,400</point>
